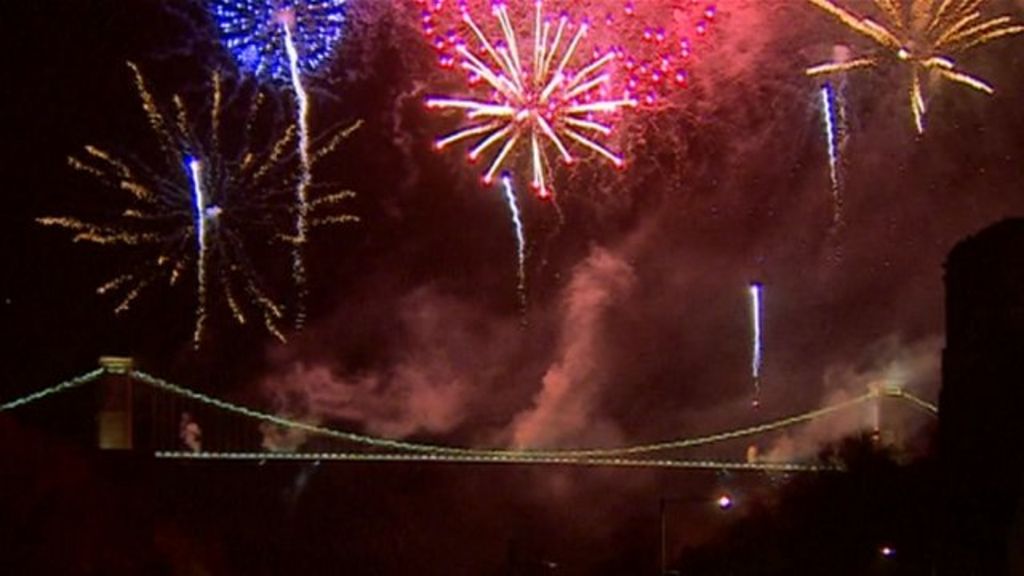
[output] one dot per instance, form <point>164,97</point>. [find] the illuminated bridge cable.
<point>919,403</point>
<point>524,453</point>
<point>415,451</point>
<point>55,389</point>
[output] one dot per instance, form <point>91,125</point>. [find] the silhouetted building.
<point>981,425</point>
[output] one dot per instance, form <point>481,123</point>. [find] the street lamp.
<point>723,502</point>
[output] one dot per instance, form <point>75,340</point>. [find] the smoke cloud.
<point>452,357</point>
<point>425,390</point>
<point>565,406</point>
<point>889,363</point>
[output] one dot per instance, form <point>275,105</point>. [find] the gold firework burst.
<point>201,204</point>
<point>923,35</point>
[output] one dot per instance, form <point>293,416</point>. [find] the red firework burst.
<point>553,97</point>
<point>653,40</point>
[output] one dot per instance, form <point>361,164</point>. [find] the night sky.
<point>637,323</point>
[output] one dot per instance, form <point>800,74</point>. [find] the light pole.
<point>723,502</point>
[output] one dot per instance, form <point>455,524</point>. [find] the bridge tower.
<point>115,416</point>
<point>885,419</point>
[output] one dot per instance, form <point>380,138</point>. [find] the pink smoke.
<point>566,405</point>
<point>426,390</point>
<point>891,362</point>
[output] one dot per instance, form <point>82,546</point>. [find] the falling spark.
<point>755,311</point>
<point>517,223</point>
<point>195,207</point>
<point>301,189</point>
<point>923,36</point>
<point>538,104</point>
<point>831,144</point>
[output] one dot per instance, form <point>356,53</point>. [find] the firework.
<point>193,208</point>
<point>201,219</point>
<point>922,35</point>
<point>302,188</point>
<point>282,40</point>
<point>517,224</point>
<point>653,42</point>
<point>757,348</point>
<point>549,101</point>
<point>831,128</point>
<point>260,34</point>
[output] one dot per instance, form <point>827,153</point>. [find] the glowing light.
<point>831,144</point>
<point>196,206</point>
<point>546,104</point>
<point>755,312</point>
<point>924,38</point>
<point>887,551</point>
<point>724,502</point>
<point>517,224</point>
<point>257,32</point>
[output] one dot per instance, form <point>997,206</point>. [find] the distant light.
<point>724,502</point>
<point>887,551</point>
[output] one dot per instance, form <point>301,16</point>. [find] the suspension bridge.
<point>143,412</point>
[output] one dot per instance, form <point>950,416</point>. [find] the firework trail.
<point>280,40</point>
<point>195,207</point>
<point>830,123</point>
<point>202,213</point>
<point>537,104</point>
<point>923,36</point>
<point>757,348</point>
<point>301,190</point>
<point>517,223</point>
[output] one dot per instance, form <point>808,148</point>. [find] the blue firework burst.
<point>255,32</point>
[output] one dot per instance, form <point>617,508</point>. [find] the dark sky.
<point>637,323</point>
